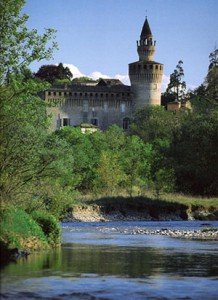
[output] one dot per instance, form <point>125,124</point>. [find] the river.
<point>108,261</point>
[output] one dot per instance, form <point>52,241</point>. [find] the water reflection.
<point>74,259</point>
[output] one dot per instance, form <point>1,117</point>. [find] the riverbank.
<point>22,233</point>
<point>142,208</point>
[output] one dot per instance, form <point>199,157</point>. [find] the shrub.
<point>49,225</point>
<point>16,226</point>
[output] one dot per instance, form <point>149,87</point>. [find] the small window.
<point>66,121</point>
<point>156,67</point>
<point>126,123</point>
<point>122,107</point>
<point>94,121</point>
<point>59,93</point>
<point>151,67</point>
<point>145,67</point>
<point>85,117</point>
<point>70,93</point>
<point>90,94</point>
<point>49,93</point>
<point>80,94</point>
<point>54,93</point>
<point>85,105</point>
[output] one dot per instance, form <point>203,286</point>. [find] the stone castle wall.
<point>146,83</point>
<point>100,109</point>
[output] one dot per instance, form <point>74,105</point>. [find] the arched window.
<point>126,123</point>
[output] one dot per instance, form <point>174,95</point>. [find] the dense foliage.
<point>53,73</point>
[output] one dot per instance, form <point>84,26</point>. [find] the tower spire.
<point>146,31</point>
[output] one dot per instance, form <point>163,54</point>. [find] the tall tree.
<point>25,156</point>
<point>20,46</point>
<point>51,73</point>
<point>177,85</point>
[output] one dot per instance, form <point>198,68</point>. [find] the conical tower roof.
<point>146,31</point>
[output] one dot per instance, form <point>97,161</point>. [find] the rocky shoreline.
<point>95,213</point>
<point>201,234</point>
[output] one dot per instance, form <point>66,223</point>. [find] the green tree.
<point>155,122</point>
<point>194,152</point>
<point>109,173</point>
<point>177,85</point>
<point>18,45</point>
<point>27,159</point>
<point>136,163</point>
<point>53,73</point>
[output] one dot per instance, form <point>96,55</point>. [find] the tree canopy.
<point>51,73</point>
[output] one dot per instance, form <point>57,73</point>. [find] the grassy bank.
<point>20,230</point>
<point>184,207</point>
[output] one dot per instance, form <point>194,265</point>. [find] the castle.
<point>110,101</point>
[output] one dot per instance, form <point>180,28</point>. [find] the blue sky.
<point>98,37</point>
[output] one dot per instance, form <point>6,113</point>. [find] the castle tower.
<point>146,74</point>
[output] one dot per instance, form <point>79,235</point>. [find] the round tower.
<point>146,74</point>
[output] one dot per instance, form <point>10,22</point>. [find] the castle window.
<point>94,113</point>
<point>80,94</point>
<point>85,106</point>
<point>54,93</point>
<point>156,67</point>
<point>126,123</point>
<point>59,93</point>
<point>86,94</point>
<point>70,93</point>
<point>101,95</point>
<point>66,121</point>
<point>94,121</point>
<point>106,95</point>
<point>75,94</point>
<point>112,95</point>
<point>151,67</point>
<point>145,67</point>
<point>96,95</point>
<point>105,107</point>
<point>118,95</point>
<point>122,107</point>
<point>139,67</point>
<point>90,94</point>
<point>49,93</point>
<point>85,117</point>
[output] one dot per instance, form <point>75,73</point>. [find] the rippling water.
<point>107,261</point>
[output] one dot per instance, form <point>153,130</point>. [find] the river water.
<point>107,261</point>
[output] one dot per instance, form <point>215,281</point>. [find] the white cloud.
<point>96,74</point>
<point>74,70</point>
<point>123,78</point>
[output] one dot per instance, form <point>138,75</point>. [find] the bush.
<point>17,227</point>
<point>49,225</point>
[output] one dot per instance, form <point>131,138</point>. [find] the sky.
<point>97,38</point>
